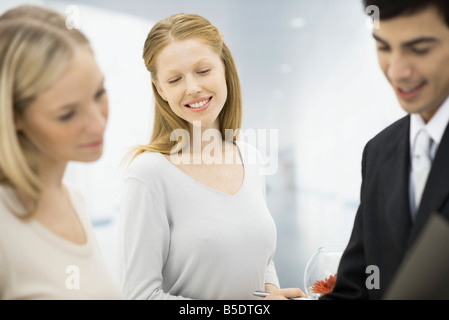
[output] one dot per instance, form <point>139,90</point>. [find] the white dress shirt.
<point>435,128</point>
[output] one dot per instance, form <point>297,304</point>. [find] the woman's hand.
<point>285,294</point>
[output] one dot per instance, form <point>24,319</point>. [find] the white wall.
<point>343,103</point>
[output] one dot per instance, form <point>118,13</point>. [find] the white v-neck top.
<point>36,263</point>
<point>180,239</point>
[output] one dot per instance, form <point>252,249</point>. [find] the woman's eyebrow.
<point>75,104</point>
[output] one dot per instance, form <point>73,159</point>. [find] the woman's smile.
<point>199,105</point>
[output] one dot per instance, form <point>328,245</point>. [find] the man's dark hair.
<point>394,8</point>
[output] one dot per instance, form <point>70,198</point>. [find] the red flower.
<point>324,286</point>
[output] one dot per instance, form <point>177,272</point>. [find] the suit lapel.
<point>436,191</point>
<point>395,181</point>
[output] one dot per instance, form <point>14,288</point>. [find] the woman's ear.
<point>159,90</point>
<point>18,122</point>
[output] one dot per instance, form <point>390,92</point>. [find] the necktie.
<point>421,164</point>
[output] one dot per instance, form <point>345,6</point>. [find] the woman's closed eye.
<point>100,93</point>
<point>204,71</point>
<point>174,80</point>
<point>200,72</point>
<point>67,116</point>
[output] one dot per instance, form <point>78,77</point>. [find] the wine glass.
<point>321,271</point>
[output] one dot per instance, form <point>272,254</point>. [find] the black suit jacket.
<point>383,230</point>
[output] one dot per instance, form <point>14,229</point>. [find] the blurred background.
<point>308,69</point>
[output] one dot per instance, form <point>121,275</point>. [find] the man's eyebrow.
<point>420,40</point>
<point>379,39</point>
<point>411,42</point>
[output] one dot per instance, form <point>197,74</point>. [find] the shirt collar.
<point>435,127</point>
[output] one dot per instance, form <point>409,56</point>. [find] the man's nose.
<point>399,68</point>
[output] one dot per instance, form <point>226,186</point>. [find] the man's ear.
<point>159,90</point>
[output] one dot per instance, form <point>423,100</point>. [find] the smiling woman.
<point>53,109</point>
<point>194,230</point>
<point>192,79</point>
<point>168,36</point>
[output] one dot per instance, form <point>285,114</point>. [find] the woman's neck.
<point>51,173</point>
<point>201,137</point>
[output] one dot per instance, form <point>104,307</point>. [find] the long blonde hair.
<point>180,27</point>
<point>35,49</point>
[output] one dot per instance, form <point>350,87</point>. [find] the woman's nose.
<point>97,119</point>
<point>192,86</point>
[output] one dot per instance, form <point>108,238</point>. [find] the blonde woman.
<point>194,220</point>
<point>53,109</point>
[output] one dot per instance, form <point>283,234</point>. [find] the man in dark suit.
<point>401,186</point>
<point>405,168</point>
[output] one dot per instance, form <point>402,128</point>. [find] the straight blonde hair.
<point>180,27</point>
<point>35,49</point>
